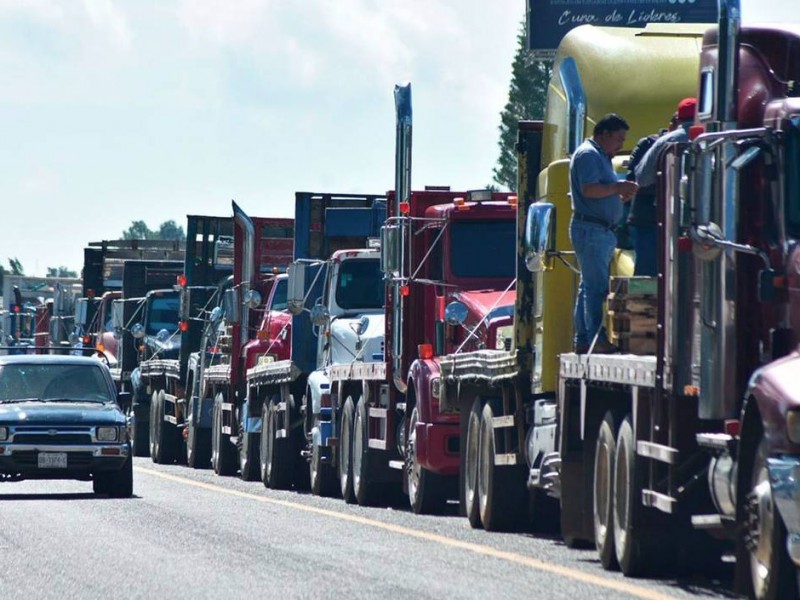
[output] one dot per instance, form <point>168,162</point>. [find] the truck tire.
<point>501,490</point>
<point>471,454</point>
<point>153,424</point>
<point>140,435</point>
<point>198,446</point>
<point>773,576</point>
<point>322,475</point>
<point>276,472</point>
<point>636,552</point>
<point>603,496</point>
<point>363,487</point>
<point>165,434</point>
<point>426,490</point>
<point>115,484</point>
<point>223,454</point>
<point>345,463</point>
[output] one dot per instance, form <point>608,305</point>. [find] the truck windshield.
<point>483,248</point>
<point>360,284</point>
<point>163,314</point>
<point>279,297</point>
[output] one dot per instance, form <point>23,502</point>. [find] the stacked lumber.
<point>632,314</point>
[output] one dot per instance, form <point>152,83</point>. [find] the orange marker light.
<point>86,339</point>
<point>405,290</point>
<point>404,208</point>
<point>182,280</point>
<point>512,199</point>
<point>101,347</point>
<point>425,351</point>
<point>183,326</point>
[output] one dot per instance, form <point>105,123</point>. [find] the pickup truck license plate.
<point>52,460</point>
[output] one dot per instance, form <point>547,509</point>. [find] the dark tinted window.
<point>793,179</point>
<point>163,314</point>
<point>360,284</point>
<point>279,298</point>
<point>483,248</point>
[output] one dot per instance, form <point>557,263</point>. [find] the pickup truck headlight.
<point>3,434</point>
<point>107,434</point>
<point>793,426</point>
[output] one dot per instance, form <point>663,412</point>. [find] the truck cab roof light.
<point>479,195</point>
<point>512,200</point>
<point>425,351</point>
<point>182,280</point>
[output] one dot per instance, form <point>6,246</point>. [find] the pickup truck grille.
<point>59,438</point>
<point>30,459</point>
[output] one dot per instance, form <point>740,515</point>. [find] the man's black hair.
<point>610,123</point>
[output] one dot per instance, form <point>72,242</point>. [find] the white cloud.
<point>109,20</point>
<point>47,10</point>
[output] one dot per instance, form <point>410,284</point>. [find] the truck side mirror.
<point>137,331</point>
<point>252,298</point>
<point>216,315</point>
<point>296,293</point>
<point>319,315</point>
<point>390,236</point>
<point>81,311</point>
<point>230,303</point>
<point>540,238</point>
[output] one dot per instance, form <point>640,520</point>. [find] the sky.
<point>117,111</point>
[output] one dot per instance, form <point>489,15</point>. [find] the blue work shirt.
<point>590,164</point>
<point>647,169</point>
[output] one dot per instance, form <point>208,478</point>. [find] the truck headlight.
<point>107,434</point>
<point>793,426</point>
<point>3,434</point>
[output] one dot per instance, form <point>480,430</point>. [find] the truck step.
<point>507,459</point>
<point>659,452</point>
<point>713,522</point>
<point>718,442</point>
<point>280,406</point>
<point>658,500</point>
<point>398,465</point>
<point>500,422</point>
<point>280,433</point>
<point>377,444</point>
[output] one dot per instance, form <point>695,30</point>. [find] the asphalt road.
<point>191,534</point>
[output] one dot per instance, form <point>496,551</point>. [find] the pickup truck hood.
<point>69,413</point>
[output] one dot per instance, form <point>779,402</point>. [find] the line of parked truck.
<point>420,341</point>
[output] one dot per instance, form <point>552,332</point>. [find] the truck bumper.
<point>784,474</point>
<point>437,447</point>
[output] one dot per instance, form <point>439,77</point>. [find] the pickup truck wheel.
<point>471,453</point>
<point>274,451</point>
<point>426,490</point>
<point>223,456</point>
<point>501,490</point>
<point>116,484</point>
<point>345,464</point>
<point>321,474</point>
<point>772,574</point>
<point>603,497</point>
<point>198,445</point>
<point>363,488</point>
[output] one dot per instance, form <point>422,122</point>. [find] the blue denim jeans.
<point>645,240</point>
<point>594,248</point>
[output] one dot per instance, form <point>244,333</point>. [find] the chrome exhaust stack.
<point>241,219</point>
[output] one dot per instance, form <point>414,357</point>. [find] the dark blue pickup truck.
<point>60,419</point>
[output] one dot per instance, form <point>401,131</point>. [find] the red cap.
<point>687,109</point>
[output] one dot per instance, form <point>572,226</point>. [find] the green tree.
<point>16,267</point>
<point>61,272</point>
<point>527,97</point>
<point>168,230</point>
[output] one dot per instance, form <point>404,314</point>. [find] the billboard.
<point>549,20</point>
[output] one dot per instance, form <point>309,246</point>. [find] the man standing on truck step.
<point>597,197</point>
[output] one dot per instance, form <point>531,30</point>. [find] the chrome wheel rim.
<point>761,523</point>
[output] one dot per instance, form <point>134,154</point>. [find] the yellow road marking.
<point>617,586</point>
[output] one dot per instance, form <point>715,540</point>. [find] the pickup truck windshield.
<point>51,382</point>
<point>483,249</point>
<point>360,284</point>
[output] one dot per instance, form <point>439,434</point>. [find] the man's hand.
<point>627,190</point>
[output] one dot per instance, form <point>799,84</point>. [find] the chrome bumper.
<point>784,474</point>
<point>99,450</point>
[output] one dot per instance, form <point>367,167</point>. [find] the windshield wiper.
<point>20,400</point>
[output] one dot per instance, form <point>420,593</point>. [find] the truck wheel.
<point>426,490</point>
<point>501,490</point>
<point>772,573</point>
<point>166,434</point>
<point>322,475</point>
<point>345,464</point>
<point>275,471</point>
<point>363,488</point>
<point>198,445</point>
<point>223,457</point>
<point>635,554</point>
<point>471,454</point>
<point>140,435</point>
<point>116,484</point>
<point>603,497</point>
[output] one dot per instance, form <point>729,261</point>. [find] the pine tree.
<point>527,97</point>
